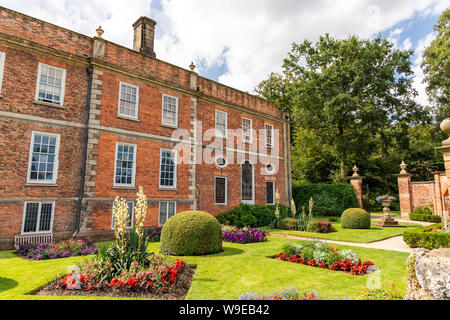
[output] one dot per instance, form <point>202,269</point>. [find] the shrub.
<point>431,237</point>
<point>320,227</point>
<point>329,199</point>
<point>191,233</point>
<point>423,210</point>
<point>355,218</point>
<point>244,235</point>
<point>264,214</point>
<point>288,224</point>
<point>249,220</point>
<point>425,217</point>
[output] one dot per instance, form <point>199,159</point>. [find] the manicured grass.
<point>351,235</point>
<point>240,268</point>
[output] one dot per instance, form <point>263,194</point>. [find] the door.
<point>247,183</point>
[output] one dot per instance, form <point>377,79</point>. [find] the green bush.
<point>191,233</point>
<point>249,220</point>
<point>264,215</point>
<point>419,238</point>
<point>423,210</point>
<point>425,217</point>
<point>355,218</point>
<point>329,199</point>
<point>288,224</point>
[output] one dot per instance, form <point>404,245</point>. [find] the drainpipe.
<point>288,156</point>
<point>83,164</point>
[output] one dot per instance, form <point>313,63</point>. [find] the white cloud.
<point>407,44</point>
<point>250,37</point>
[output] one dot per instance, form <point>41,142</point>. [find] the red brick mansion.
<point>84,120</point>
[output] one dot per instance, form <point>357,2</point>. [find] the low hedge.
<point>425,217</point>
<point>355,218</point>
<point>329,199</point>
<point>252,215</point>
<point>419,238</point>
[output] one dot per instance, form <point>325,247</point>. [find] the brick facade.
<point>89,128</point>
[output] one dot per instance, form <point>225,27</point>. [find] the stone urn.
<point>387,220</point>
<point>445,127</point>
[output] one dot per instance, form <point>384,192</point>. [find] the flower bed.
<point>243,235</point>
<point>57,249</point>
<point>287,294</point>
<point>154,234</point>
<point>318,254</point>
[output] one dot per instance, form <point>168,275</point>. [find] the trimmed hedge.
<point>191,233</point>
<point>355,218</point>
<point>329,199</point>
<point>419,238</point>
<point>252,215</point>
<point>425,217</point>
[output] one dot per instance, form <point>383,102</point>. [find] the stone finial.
<point>445,127</point>
<point>355,171</point>
<point>100,31</point>
<point>403,166</point>
<point>192,66</point>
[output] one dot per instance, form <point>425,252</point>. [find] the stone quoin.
<point>84,119</point>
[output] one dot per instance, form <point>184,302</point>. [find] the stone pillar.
<point>356,182</point>
<point>445,150</point>
<point>404,191</point>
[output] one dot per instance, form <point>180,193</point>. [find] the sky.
<point>240,42</point>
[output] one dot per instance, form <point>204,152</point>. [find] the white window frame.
<point>221,166</point>
<point>175,171</point>
<point>273,192</point>
<point>266,125</point>
<point>226,191</point>
<point>159,210</point>
<point>251,130</point>
<point>38,221</point>
<point>176,113</point>
<point>133,178</point>
<point>2,68</point>
<point>137,101</point>
<point>55,164</point>
<point>218,133</point>
<point>132,214</point>
<point>63,84</point>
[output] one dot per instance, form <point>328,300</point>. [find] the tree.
<point>344,96</point>
<point>436,67</point>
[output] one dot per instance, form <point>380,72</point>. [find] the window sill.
<point>125,187</point>
<point>31,184</point>
<point>127,118</point>
<point>47,104</point>
<point>167,189</point>
<point>220,204</point>
<point>169,126</point>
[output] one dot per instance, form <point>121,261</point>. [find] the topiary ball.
<point>355,218</point>
<point>191,233</point>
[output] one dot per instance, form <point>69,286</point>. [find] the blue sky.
<point>239,42</point>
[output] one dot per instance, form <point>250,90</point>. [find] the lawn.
<point>351,235</point>
<point>396,214</point>
<point>240,268</point>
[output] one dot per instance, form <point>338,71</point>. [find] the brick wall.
<point>28,41</point>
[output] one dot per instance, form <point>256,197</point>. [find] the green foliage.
<point>288,224</point>
<point>420,238</point>
<point>329,199</point>
<point>191,233</point>
<point>355,218</point>
<point>423,210</point>
<point>425,217</point>
<point>264,215</point>
<point>249,220</point>
<point>120,255</point>
<point>312,226</point>
<point>436,66</point>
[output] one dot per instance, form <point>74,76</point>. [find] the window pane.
<point>269,192</point>
<point>167,168</point>
<point>31,214</point>
<point>128,100</point>
<point>220,190</point>
<point>43,158</point>
<point>46,217</point>
<point>50,84</point>
<point>124,164</point>
<point>169,113</point>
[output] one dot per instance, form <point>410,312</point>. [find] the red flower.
<point>150,284</point>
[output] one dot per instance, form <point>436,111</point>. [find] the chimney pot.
<point>144,36</point>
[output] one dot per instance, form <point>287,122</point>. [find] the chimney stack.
<point>144,36</point>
